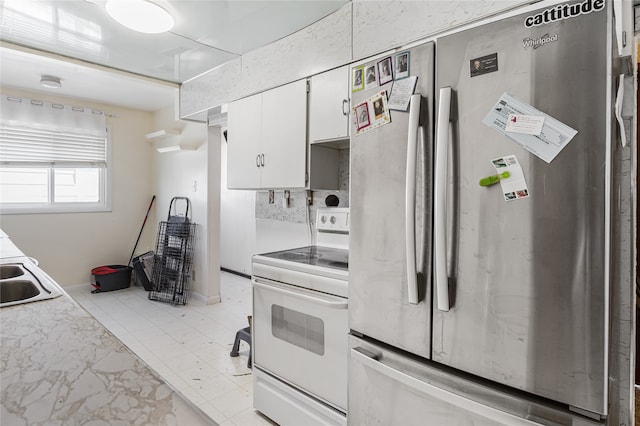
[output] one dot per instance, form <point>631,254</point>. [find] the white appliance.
<point>300,327</point>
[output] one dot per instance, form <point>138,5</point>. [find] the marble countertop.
<point>60,366</point>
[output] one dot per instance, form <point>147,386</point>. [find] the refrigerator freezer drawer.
<point>388,388</point>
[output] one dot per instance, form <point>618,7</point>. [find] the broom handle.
<point>140,234</point>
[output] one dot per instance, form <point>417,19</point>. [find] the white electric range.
<point>300,327</point>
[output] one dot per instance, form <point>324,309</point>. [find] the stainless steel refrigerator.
<point>469,304</point>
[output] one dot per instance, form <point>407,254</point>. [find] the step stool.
<point>244,334</point>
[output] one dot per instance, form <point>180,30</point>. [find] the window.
<point>49,164</point>
<point>298,328</point>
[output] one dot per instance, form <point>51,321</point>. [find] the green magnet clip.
<point>490,180</point>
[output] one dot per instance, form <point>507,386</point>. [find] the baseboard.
<point>206,300</point>
<point>236,273</point>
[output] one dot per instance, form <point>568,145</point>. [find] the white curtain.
<point>51,116</point>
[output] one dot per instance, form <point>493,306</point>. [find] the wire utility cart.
<point>174,255</point>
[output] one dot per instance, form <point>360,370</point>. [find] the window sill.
<point>71,208</point>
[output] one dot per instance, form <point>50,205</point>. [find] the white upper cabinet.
<point>329,105</point>
<point>244,142</point>
<point>284,136</point>
<point>267,139</point>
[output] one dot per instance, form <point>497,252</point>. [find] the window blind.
<point>23,145</point>
<point>34,132</point>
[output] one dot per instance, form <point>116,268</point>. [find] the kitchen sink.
<point>11,291</point>
<point>24,282</point>
<point>10,271</point>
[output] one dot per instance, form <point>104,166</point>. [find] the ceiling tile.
<point>206,34</point>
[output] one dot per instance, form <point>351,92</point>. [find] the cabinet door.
<point>244,136</point>
<point>284,136</point>
<point>329,105</point>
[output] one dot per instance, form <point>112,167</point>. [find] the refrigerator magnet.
<point>362,116</point>
<point>483,65</point>
<point>401,65</point>
<point>372,113</point>
<point>511,178</point>
<point>357,78</point>
<point>380,109</point>
<point>370,76</point>
<point>385,71</point>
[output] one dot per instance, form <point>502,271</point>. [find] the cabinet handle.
<point>258,160</point>
<point>345,107</point>
<point>261,160</point>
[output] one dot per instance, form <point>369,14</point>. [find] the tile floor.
<point>187,345</point>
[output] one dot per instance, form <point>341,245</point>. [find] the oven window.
<point>299,329</point>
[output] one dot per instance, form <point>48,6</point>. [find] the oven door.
<point>301,336</point>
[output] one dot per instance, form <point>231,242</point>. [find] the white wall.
<point>186,174</point>
<point>213,213</point>
<point>69,245</point>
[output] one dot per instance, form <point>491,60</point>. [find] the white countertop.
<point>59,365</point>
<point>8,248</point>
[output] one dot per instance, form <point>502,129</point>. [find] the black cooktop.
<point>327,257</point>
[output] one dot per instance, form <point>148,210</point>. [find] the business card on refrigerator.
<point>513,187</point>
<point>524,124</point>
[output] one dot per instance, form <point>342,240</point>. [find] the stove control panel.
<point>333,219</point>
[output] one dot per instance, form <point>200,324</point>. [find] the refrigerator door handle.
<point>410,198</point>
<point>367,353</point>
<point>500,417</point>
<point>440,199</point>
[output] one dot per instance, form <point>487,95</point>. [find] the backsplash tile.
<point>343,170</point>
<point>296,211</point>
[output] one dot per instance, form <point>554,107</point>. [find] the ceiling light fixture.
<point>50,82</point>
<point>140,15</point>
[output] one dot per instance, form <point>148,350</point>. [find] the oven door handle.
<point>266,285</point>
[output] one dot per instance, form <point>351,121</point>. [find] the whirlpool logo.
<point>564,11</point>
<point>539,41</point>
